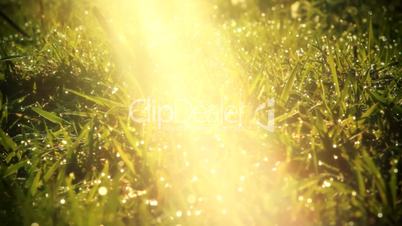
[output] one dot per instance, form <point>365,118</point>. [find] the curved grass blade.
<point>48,115</point>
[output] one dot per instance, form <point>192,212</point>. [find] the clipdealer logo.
<point>148,111</point>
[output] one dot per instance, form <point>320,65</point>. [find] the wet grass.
<point>70,156</point>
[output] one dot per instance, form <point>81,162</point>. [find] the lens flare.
<point>211,166</point>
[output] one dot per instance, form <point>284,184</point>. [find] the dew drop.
<point>179,213</point>
<point>153,202</point>
<point>102,190</point>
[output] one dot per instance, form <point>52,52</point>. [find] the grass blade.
<point>48,115</point>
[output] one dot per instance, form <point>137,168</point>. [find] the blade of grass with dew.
<point>289,84</point>
<point>130,138</point>
<point>36,182</point>
<point>7,142</point>
<point>125,157</point>
<point>98,100</point>
<point>12,169</point>
<point>334,74</point>
<point>48,115</point>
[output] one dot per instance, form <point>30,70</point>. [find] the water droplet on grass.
<point>102,190</point>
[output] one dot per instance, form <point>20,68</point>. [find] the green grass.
<point>334,72</point>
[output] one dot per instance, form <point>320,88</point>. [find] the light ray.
<point>177,55</point>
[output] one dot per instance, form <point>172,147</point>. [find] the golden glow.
<point>171,48</point>
<point>174,52</point>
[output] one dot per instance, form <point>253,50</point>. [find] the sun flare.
<point>175,52</point>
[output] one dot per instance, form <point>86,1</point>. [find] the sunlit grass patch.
<point>71,154</point>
